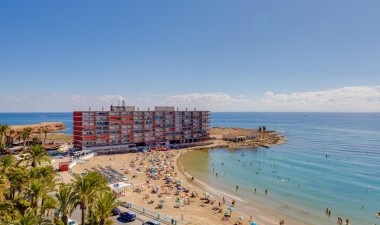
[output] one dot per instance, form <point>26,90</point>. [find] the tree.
<point>18,133</point>
<point>66,198</point>
<point>260,129</point>
<point>25,134</point>
<point>264,128</point>
<point>45,130</point>
<point>38,154</point>
<point>29,218</point>
<point>3,129</point>
<point>10,136</point>
<point>87,187</point>
<point>36,191</point>
<point>4,186</point>
<point>2,147</point>
<point>6,163</point>
<point>104,203</point>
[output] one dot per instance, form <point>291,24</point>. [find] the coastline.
<point>260,213</point>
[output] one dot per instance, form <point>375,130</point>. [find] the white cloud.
<point>359,98</point>
<point>110,98</point>
<point>348,99</point>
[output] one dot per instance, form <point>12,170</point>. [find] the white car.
<point>71,222</point>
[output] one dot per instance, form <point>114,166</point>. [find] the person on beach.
<point>233,203</point>
<point>224,200</point>
<point>266,191</point>
<point>347,222</point>
<point>237,187</point>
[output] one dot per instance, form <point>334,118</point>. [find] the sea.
<point>330,160</point>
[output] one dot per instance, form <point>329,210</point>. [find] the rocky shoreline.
<point>52,126</point>
<point>264,138</point>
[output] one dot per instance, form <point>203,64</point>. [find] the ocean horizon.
<point>331,160</point>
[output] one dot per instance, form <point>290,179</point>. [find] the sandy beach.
<point>200,204</point>
<point>177,204</point>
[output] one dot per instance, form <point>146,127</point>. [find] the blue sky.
<point>219,55</point>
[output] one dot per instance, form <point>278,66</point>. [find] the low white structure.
<point>239,136</point>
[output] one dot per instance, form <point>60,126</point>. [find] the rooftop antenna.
<point>89,108</point>
<point>148,109</point>
<point>186,109</point>
<point>102,108</point>
<point>177,109</point>
<point>118,102</point>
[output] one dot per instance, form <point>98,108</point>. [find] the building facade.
<point>124,125</point>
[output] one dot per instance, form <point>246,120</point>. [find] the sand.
<point>195,212</point>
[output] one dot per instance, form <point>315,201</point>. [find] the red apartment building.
<point>123,126</point>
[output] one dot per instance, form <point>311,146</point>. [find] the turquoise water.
<point>330,160</point>
<point>346,180</point>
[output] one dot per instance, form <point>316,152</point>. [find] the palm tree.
<point>104,203</point>
<point>38,154</point>
<point>29,218</point>
<point>87,187</point>
<point>67,199</point>
<point>6,163</point>
<point>10,136</point>
<point>18,178</point>
<point>2,147</point>
<point>36,192</point>
<point>4,186</point>
<point>45,130</point>
<point>18,133</point>
<point>3,129</point>
<point>25,134</point>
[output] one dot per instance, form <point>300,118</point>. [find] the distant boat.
<point>304,114</point>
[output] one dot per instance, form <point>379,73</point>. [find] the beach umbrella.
<point>162,201</point>
<point>254,223</point>
<point>225,213</point>
<point>179,188</point>
<point>240,218</point>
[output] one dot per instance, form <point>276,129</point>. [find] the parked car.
<point>115,211</point>
<point>151,222</point>
<point>128,216</point>
<point>71,222</point>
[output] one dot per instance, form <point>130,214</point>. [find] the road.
<point>140,218</point>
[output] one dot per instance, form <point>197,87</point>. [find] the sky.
<point>217,55</point>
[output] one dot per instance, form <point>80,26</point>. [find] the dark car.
<point>128,216</point>
<point>115,211</point>
<point>151,222</point>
